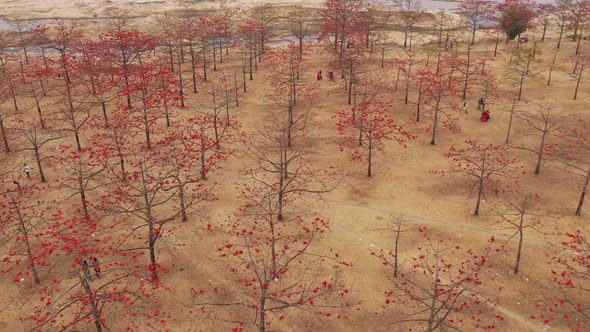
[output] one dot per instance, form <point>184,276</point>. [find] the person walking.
<point>96,266</point>
<point>480,104</point>
<point>319,76</point>
<point>465,107</point>
<point>86,270</point>
<point>28,171</point>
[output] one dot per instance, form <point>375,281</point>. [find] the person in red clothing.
<point>319,76</point>
<point>485,116</point>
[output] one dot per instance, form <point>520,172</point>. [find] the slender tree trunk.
<point>578,82</point>
<point>544,30</point>
<point>104,113</point>
<point>182,202</point>
<point>520,86</point>
<point>579,42</point>
<point>204,65</point>
<point>83,197</point>
<point>467,72</point>
<point>479,194</point>
<point>552,66</point>
<point>370,158</point>
<point>541,153</point>
<point>4,136</point>
<point>39,166</point>
<point>350,84</point>
<point>520,239</point>
<point>25,234</point>
<point>203,170</point>
<point>396,251</point>
<point>583,194</point>
<point>180,82</point>
<point>193,66</point>
<point>561,26</point>
<point>510,121</point>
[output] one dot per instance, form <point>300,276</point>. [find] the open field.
<point>404,184</point>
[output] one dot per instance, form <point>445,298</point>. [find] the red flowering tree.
<point>125,48</point>
<point>441,90</point>
<point>21,228</point>
<point>489,165</point>
<point>62,36</point>
<point>340,19</point>
<point>441,288</point>
<point>366,129</point>
<point>574,152</point>
<point>290,92</point>
<point>98,78</point>
<point>198,140</point>
<point>516,16</point>
<point>85,293</point>
<point>154,87</point>
<point>517,215</point>
<point>79,173</point>
<point>544,119</point>
<point>278,265</point>
<point>570,269</point>
<point>112,143</point>
<point>475,11</point>
<point>36,139</point>
<point>145,199</point>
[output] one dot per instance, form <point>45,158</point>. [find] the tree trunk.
<point>583,194</point>
<point>510,121</point>
<point>541,152</point>
<point>104,113</point>
<point>182,202</point>
<point>467,72</point>
<point>350,84</point>
<point>479,194</point>
<point>25,233</point>
<point>203,170</point>
<point>78,145</point>
<point>562,25</point>
<point>520,86</point>
<point>370,158</point>
<point>578,82</point>
<point>4,136</point>
<point>520,238</point>
<point>204,65</point>
<point>552,65</point>
<point>193,67</point>
<point>83,197</point>
<point>435,121</point>
<point>39,166</point>
<point>544,30</point>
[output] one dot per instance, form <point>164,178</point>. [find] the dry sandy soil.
<point>29,9</point>
<point>402,185</point>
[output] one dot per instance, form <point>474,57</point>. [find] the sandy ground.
<point>34,9</point>
<point>402,185</point>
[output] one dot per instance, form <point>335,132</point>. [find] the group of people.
<point>95,266</point>
<point>485,114</point>
<point>481,106</point>
<point>320,77</point>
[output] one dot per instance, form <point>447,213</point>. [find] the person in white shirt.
<point>28,171</point>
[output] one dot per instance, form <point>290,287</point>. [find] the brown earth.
<point>402,185</point>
